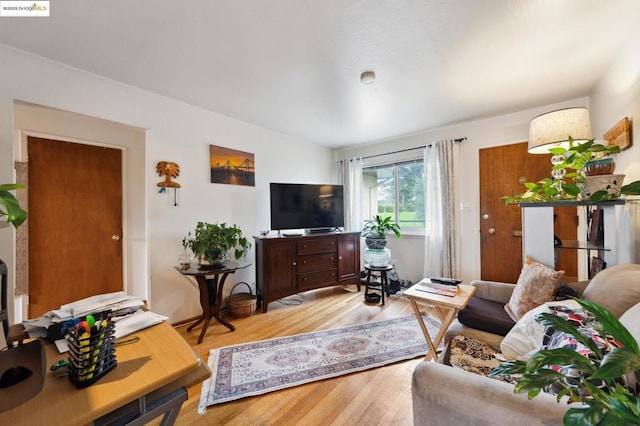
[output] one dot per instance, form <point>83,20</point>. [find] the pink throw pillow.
<point>536,285</point>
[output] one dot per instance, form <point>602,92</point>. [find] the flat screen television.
<point>315,208</point>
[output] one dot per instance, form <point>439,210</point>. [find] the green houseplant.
<point>610,403</point>
<point>212,242</point>
<point>577,159</point>
<point>376,230</point>
<point>9,206</point>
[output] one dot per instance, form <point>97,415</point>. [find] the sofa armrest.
<point>493,290</point>
<point>458,329</point>
<point>443,395</point>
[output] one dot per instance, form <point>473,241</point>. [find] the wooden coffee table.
<point>444,307</point>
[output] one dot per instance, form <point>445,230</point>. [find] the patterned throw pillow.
<point>536,285</point>
<point>586,323</point>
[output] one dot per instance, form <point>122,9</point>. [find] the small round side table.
<point>384,283</point>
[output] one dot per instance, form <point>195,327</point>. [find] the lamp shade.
<point>553,129</point>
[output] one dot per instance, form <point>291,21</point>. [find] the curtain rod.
<point>409,149</point>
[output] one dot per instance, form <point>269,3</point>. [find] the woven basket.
<point>242,304</point>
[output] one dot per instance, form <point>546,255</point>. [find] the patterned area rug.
<point>256,368</point>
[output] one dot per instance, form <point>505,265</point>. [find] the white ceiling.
<point>294,65</point>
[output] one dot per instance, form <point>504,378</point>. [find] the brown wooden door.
<point>75,222</point>
<point>503,169</point>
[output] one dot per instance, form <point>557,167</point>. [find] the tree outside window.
<point>395,190</point>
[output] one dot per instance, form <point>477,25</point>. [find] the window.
<point>395,190</point>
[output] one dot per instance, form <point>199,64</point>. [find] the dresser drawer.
<point>316,262</point>
<point>319,245</point>
<point>316,279</point>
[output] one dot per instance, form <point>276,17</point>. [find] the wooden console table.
<point>290,265</point>
<point>211,291</point>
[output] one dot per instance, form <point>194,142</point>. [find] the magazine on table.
<point>437,288</point>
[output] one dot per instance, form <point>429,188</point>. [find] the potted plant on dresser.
<point>213,243</point>
<point>375,232</point>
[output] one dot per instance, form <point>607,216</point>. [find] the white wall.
<point>175,132</point>
<point>617,96</point>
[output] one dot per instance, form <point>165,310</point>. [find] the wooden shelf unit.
<point>537,231</point>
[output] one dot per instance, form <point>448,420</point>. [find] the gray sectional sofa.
<point>444,395</point>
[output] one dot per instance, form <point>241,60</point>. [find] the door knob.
<point>492,231</point>
<point>115,237</point>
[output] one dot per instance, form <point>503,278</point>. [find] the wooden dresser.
<point>290,265</point>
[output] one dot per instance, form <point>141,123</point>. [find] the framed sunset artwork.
<point>231,166</point>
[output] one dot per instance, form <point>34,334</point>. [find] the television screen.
<point>306,206</point>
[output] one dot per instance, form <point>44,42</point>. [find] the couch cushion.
<point>631,320</point>
<point>536,285</point>
<point>525,338</point>
<point>616,288</point>
<point>486,315</point>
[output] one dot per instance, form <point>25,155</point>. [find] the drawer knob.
<point>294,263</point>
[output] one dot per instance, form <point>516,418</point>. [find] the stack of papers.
<point>126,310</point>
<point>443,289</point>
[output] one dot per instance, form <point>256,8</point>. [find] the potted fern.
<point>212,243</point>
<point>596,381</point>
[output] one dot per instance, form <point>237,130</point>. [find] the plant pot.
<point>375,243</point>
<point>604,166</point>
<point>377,257</point>
<point>206,263</point>
<point>593,184</point>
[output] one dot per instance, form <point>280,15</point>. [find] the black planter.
<point>376,243</point>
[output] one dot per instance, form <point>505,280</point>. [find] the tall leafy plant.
<point>9,205</point>
<point>612,403</point>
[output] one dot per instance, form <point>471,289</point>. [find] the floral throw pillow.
<point>586,323</point>
<point>536,285</point>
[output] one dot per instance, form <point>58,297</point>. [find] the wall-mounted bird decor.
<point>169,170</point>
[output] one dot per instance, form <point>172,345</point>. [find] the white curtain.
<point>351,176</point>
<point>440,215</point>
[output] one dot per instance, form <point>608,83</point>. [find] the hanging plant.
<point>577,158</point>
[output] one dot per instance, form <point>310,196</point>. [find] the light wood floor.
<point>381,396</point>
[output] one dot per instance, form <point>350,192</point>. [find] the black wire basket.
<point>91,349</point>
